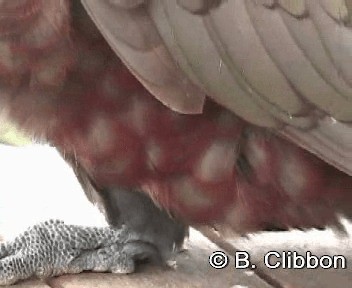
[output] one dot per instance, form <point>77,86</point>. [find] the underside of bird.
<point>234,114</point>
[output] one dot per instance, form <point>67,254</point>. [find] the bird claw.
<point>54,248</point>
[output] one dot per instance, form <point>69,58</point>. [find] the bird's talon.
<point>53,248</point>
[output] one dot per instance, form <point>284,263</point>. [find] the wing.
<point>283,64</point>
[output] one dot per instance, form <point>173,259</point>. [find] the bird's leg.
<point>138,230</point>
<point>115,258</point>
<point>150,223</point>
<point>53,248</point>
<point>134,209</point>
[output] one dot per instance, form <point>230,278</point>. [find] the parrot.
<point>232,114</point>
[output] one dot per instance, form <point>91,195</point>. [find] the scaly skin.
<point>53,248</point>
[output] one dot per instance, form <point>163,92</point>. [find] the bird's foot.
<point>54,248</point>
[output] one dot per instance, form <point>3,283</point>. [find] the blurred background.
<point>37,184</point>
